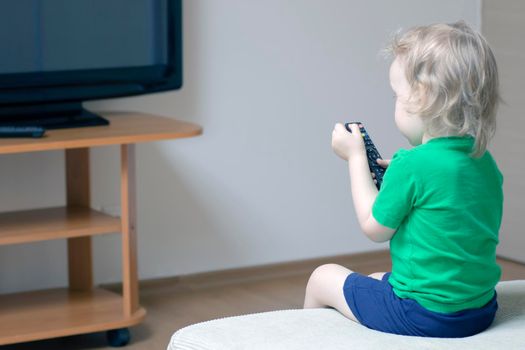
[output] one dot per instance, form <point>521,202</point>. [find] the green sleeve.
<point>398,192</point>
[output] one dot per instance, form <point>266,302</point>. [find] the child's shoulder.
<point>416,154</point>
<point>410,160</point>
<point>403,162</point>
<point>404,156</point>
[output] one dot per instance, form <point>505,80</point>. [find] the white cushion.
<point>328,329</point>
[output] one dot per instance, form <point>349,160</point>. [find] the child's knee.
<point>324,271</point>
<point>316,285</point>
<point>328,275</point>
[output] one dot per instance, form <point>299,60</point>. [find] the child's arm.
<point>350,146</point>
<point>364,193</point>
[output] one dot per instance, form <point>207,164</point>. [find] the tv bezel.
<point>80,85</point>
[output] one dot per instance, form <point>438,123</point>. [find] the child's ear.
<point>418,92</point>
<point>418,96</point>
<point>422,94</point>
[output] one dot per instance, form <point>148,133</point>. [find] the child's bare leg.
<point>377,275</point>
<point>325,288</point>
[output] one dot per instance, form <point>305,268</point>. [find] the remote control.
<point>371,153</point>
<point>22,131</point>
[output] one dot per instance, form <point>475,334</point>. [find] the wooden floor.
<point>177,302</point>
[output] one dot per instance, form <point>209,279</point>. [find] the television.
<point>55,54</point>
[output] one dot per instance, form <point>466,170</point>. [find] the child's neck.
<point>427,137</point>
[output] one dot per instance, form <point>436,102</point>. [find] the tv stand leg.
<point>130,289</point>
<point>78,194</point>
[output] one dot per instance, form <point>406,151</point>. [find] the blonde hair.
<point>453,76</point>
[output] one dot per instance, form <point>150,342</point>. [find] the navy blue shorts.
<point>376,306</point>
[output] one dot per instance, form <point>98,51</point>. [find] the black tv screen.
<point>57,53</point>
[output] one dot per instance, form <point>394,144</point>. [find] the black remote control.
<point>22,131</point>
<point>371,153</point>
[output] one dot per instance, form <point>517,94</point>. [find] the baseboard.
<point>366,262</point>
<point>360,262</point>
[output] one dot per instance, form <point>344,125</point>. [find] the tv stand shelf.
<point>52,223</point>
<point>80,307</point>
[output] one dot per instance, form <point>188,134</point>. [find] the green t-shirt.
<point>447,209</point>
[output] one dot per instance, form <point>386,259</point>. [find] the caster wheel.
<point>118,337</point>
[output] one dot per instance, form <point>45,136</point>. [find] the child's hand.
<point>346,144</point>
<point>384,163</point>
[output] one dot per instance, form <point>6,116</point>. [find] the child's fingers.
<point>384,162</point>
<point>373,175</point>
<point>355,129</point>
<point>339,127</point>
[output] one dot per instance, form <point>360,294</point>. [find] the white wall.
<point>503,26</point>
<point>267,80</point>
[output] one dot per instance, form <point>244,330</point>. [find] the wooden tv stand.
<point>81,308</point>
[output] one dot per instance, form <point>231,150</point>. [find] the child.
<point>440,204</point>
